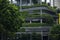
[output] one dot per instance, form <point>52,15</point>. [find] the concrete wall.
<point>55,3</point>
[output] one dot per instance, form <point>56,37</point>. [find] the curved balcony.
<point>38,8</point>
<point>29,30</point>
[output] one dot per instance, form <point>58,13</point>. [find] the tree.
<point>55,32</point>
<point>48,19</point>
<point>9,16</point>
<point>10,20</point>
<point>58,10</point>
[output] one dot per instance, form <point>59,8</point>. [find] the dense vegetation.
<point>11,20</point>
<point>55,32</point>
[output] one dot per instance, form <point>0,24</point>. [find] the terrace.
<point>38,7</point>
<point>29,30</point>
<point>37,19</point>
<point>27,5</point>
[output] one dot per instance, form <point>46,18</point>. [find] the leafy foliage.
<point>55,29</point>
<point>9,16</point>
<point>55,32</point>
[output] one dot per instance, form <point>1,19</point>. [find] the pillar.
<point>41,15</point>
<point>41,35</point>
<point>53,3</point>
<point>20,5</point>
<point>50,2</point>
<point>30,21</point>
<point>30,2</point>
<point>40,1</point>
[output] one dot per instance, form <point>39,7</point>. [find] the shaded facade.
<point>30,7</point>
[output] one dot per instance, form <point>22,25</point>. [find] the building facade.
<point>37,9</point>
<point>55,3</point>
<point>31,2</point>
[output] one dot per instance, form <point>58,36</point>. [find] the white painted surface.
<point>56,3</point>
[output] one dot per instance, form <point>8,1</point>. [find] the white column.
<point>20,5</point>
<point>40,1</point>
<point>30,21</point>
<point>41,35</point>
<point>30,2</point>
<point>41,20</point>
<point>50,2</point>
<point>41,15</point>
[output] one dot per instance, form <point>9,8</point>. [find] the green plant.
<point>22,30</point>
<point>34,24</point>
<point>55,32</point>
